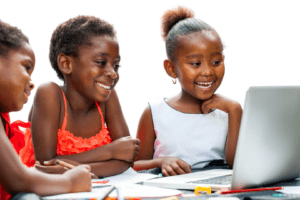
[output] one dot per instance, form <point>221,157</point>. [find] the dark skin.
<point>89,77</point>
<point>199,67</point>
<point>15,86</point>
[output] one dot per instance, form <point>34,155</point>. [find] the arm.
<point>47,118</point>
<point>15,177</point>
<point>146,135</point>
<point>234,111</point>
<point>145,161</point>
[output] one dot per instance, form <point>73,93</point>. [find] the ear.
<point>170,69</point>
<point>64,63</point>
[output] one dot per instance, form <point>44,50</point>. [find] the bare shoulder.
<point>146,123</point>
<point>48,91</point>
<point>48,98</point>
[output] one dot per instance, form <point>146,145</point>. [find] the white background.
<point>261,38</point>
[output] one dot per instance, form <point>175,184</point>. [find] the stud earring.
<point>174,81</point>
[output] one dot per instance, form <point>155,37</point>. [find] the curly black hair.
<point>10,38</point>
<point>70,35</point>
<point>178,22</point>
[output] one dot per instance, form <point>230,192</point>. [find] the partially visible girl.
<point>82,120</point>
<point>17,62</point>
<point>196,128</point>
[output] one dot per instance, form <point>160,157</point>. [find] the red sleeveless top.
<point>67,143</point>
<point>16,137</point>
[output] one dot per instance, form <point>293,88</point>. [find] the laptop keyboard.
<point>221,180</point>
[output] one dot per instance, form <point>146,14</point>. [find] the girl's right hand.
<point>80,178</point>
<point>125,148</point>
<point>171,166</point>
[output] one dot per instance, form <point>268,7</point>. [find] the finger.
<point>164,172</point>
<point>37,162</point>
<point>207,106</point>
<point>137,148</point>
<point>86,167</point>
<point>176,168</point>
<point>50,162</point>
<point>170,171</point>
<point>93,176</point>
<point>186,167</point>
<point>137,141</point>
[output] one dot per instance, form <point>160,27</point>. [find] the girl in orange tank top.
<point>84,52</point>
<point>67,143</point>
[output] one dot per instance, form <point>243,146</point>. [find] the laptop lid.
<point>268,148</point>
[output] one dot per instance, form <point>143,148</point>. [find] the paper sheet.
<point>129,176</point>
<point>290,190</point>
<point>128,190</point>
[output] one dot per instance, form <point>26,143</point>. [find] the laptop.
<point>268,148</point>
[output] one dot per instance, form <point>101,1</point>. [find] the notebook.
<point>268,148</point>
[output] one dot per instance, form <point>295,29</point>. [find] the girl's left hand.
<point>51,167</point>
<point>219,102</point>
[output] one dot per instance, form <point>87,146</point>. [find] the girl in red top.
<point>81,120</point>
<point>17,62</point>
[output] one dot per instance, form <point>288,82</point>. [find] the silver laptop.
<point>268,148</point>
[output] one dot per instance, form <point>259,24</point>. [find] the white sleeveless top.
<point>197,139</point>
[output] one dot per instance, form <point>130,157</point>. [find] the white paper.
<point>95,193</point>
<point>290,190</point>
<point>129,176</point>
<point>136,190</point>
<point>129,190</point>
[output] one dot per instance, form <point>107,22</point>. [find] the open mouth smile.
<point>204,85</point>
<point>106,87</point>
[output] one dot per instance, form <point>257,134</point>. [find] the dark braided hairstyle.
<point>70,35</point>
<point>179,22</point>
<point>10,38</point>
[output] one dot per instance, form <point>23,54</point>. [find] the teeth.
<point>204,84</point>
<point>104,86</point>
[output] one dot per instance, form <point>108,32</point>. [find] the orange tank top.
<point>16,138</point>
<point>67,143</point>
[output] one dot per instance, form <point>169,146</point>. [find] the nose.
<point>31,85</point>
<point>206,70</point>
<point>110,71</point>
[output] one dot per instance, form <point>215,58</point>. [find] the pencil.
<point>64,164</point>
<point>250,190</point>
<point>69,166</point>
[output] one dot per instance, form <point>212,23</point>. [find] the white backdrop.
<point>261,38</point>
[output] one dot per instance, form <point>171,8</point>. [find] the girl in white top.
<point>197,126</point>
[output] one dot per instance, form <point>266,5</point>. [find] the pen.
<point>69,166</point>
<point>250,190</point>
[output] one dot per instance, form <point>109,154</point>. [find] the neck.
<point>78,103</point>
<point>192,104</point>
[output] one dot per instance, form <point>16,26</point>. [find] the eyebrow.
<point>28,60</point>
<point>201,56</point>
<point>194,56</point>
<point>105,54</point>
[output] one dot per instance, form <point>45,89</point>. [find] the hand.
<point>171,166</point>
<point>219,102</point>
<point>50,167</point>
<point>80,178</point>
<point>125,148</point>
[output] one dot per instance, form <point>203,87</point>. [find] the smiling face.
<point>15,82</point>
<point>95,70</point>
<point>199,64</point>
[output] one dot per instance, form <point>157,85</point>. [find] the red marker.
<point>250,190</point>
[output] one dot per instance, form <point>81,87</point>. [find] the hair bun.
<point>172,17</point>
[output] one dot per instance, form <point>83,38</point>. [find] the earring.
<point>174,81</point>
